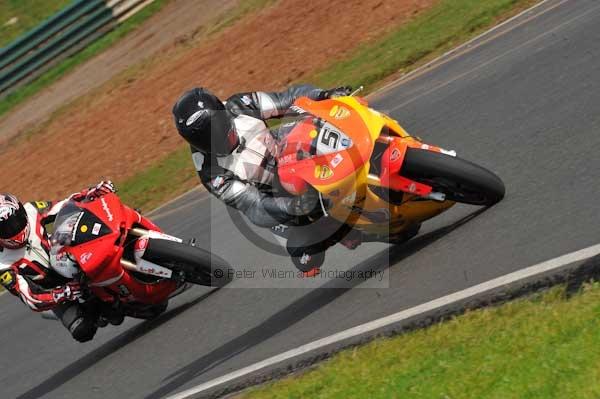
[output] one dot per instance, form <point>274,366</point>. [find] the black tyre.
<point>461,181</point>
<point>198,265</point>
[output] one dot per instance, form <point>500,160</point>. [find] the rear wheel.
<point>460,180</point>
<point>198,265</point>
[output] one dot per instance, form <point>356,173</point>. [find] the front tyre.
<point>198,265</point>
<point>460,180</point>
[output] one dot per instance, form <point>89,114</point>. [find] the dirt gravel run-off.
<point>124,128</point>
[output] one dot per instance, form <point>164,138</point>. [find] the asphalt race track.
<point>525,103</point>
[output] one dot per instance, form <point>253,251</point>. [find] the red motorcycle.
<point>124,261</point>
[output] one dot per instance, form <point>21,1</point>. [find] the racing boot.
<point>352,240</point>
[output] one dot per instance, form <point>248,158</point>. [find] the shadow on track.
<point>76,368</point>
<point>302,308</point>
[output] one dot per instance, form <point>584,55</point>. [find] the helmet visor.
<point>12,222</point>
<point>16,241</point>
<point>220,138</point>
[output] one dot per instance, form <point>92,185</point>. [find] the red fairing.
<point>391,163</point>
<point>100,259</point>
<point>288,159</point>
<point>147,223</point>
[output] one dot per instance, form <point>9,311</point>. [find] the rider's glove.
<point>8,280</point>
<point>102,188</point>
<point>337,92</point>
<point>69,292</point>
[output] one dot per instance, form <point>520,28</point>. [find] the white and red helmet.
<point>14,227</point>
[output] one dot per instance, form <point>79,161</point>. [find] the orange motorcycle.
<point>372,173</point>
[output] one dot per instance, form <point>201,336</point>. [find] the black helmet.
<point>203,121</point>
<point>14,227</point>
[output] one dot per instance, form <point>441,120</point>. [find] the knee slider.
<point>82,327</point>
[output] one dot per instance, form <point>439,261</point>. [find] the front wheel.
<point>198,265</point>
<point>461,181</point>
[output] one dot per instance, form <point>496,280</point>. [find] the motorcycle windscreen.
<point>74,226</point>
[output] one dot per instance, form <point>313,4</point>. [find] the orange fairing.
<point>362,163</point>
<point>353,155</point>
<point>330,144</point>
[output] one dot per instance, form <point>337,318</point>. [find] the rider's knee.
<point>83,329</point>
<point>80,324</point>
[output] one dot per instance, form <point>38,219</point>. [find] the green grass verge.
<point>447,24</point>
<point>543,347</point>
<point>20,16</point>
<point>67,65</point>
<point>167,179</point>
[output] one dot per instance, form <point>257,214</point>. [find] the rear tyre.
<point>198,265</point>
<point>461,181</point>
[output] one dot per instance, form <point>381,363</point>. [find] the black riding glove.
<point>336,92</point>
<point>309,204</point>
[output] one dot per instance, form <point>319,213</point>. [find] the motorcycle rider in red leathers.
<point>25,263</point>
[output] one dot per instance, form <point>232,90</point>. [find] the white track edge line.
<point>467,293</point>
<point>394,318</point>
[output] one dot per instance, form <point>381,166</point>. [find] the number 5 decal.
<point>330,138</point>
